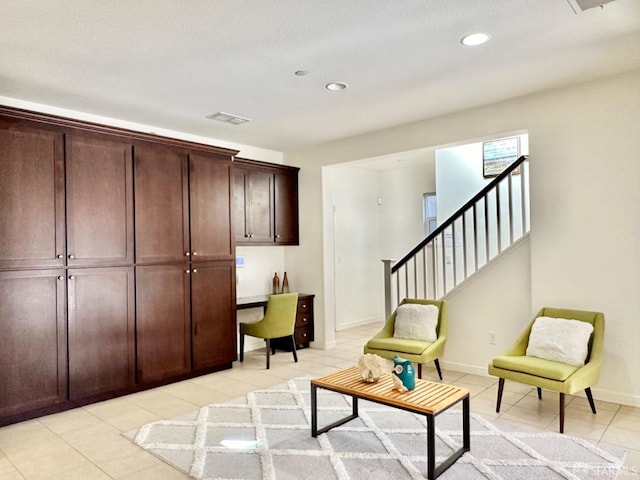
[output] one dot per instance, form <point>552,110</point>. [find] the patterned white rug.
<point>266,435</point>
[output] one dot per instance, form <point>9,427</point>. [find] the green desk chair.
<point>386,345</point>
<point>279,321</point>
<point>541,373</point>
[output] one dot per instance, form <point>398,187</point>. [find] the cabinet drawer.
<point>303,336</point>
<point>305,305</point>
<point>303,319</point>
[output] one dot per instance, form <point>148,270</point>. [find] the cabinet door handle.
<point>194,253</point>
<point>60,255</point>
<point>277,236</point>
<point>187,254</point>
<point>71,256</point>
<point>187,271</point>
<point>60,277</point>
<point>71,277</point>
<point>195,270</point>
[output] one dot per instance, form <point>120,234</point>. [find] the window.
<point>429,212</point>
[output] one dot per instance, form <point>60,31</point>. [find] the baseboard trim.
<point>598,393</point>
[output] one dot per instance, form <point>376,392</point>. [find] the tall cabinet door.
<point>210,207</point>
<point>32,231</point>
<point>99,201</point>
<point>259,195</point>
<point>213,314</point>
<point>101,335</point>
<point>286,208</point>
<point>162,205</point>
<point>163,321</point>
<point>33,340</point>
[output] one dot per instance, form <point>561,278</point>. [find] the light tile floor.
<point>87,443</point>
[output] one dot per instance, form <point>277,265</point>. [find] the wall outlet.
<point>492,338</point>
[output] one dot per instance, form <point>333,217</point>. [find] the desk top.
<point>261,300</point>
<point>426,397</point>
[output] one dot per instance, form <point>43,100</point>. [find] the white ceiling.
<point>170,63</point>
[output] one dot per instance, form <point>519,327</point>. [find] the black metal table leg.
<point>315,431</point>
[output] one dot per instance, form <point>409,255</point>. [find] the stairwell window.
<point>429,212</point>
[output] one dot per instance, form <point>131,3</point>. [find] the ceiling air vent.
<point>228,118</point>
<point>582,5</point>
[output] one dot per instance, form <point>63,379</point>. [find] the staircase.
<point>487,225</point>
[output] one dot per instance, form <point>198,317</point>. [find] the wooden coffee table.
<point>427,398</point>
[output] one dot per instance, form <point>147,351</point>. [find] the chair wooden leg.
<point>500,389</point>
<point>561,412</point>
<point>590,398</point>
<point>419,370</point>
<point>268,351</point>
<point>438,368</point>
<point>539,393</point>
<point>241,347</point>
<point>293,349</point>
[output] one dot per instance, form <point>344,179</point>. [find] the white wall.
<point>401,191</point>
<point>376,214</point>
<point>353,195</point>
<point>585,192</point>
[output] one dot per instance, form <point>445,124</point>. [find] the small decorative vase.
<point>276,283</point>
<point>403,370</point>
<point>285,283</point>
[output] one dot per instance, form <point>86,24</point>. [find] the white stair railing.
<point>484,227</point>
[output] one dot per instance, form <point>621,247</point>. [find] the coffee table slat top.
<point>427,397</point>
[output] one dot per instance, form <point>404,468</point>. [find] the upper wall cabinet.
<point>265,203</point>
<point>183,205</point>
<point>32,220</point>
<point>99,201</point>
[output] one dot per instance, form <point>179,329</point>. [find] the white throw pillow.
<point>560,340</point>
<point>416,322</point>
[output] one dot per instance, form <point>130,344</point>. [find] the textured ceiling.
<point>170,63</point>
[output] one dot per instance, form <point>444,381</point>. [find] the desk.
<point>304,317</point>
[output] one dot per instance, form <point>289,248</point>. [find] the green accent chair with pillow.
<point>556,352</point>
<point>413,332</point>
<point>279,321</point>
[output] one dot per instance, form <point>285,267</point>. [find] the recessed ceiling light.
<point>336,86</point>
<point>474,39</point>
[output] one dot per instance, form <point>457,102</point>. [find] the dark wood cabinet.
<point>185,310</point>
<point>210,207</point>
<point>33,343</point>
<point>183,206</point>
<point>101,335</point>
<point>32,218</point>
<point>213,314</point>
<point>304,333</point>
<point>99,201</point>
<point>286,207</point>
<point>265,203</point>
<point>253,197</point>
<point>163,321</point>
<point>99,225</point>
<point>162,205</point>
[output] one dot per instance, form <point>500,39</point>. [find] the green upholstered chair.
<point>386,345</point>
<point>514,364</point>
<point>279,321</point>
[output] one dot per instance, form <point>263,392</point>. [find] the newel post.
<point>387,288</point>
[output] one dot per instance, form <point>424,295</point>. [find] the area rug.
<point>266,436</point>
